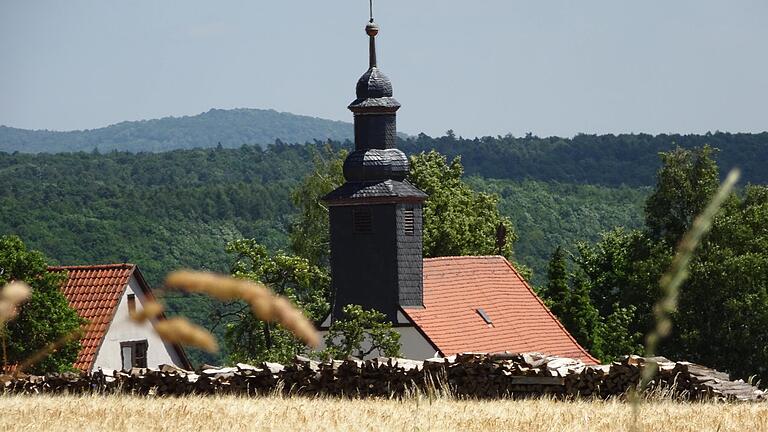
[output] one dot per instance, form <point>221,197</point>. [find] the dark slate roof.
<point>374,84</point>
<point>378,189</point>
<point>376,164</point>
<point>374,93</point>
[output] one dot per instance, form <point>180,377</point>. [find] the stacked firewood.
<point>471,375</point>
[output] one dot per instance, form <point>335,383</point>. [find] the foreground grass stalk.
<point>674,277</point>
<point>47,350</point>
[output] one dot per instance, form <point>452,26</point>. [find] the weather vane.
<point>371,8</point>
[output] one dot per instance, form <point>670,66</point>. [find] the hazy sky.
<point>483,67</point>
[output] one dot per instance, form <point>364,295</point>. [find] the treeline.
<point>612,160</point>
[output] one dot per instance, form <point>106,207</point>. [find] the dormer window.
<point>484,316</point>
<point>131,304</point>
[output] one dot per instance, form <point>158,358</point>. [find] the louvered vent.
<point>408,222</point>
<point>362,221</point>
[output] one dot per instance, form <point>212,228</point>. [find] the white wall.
<point>412,344</point>
<point>122,329</point>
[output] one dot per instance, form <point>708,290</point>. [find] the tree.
<point>722,314</point>
<point>45,318</point>
<point>557,290</point>
<point>722,318</point>
<point>248,339</point>
<point>581,317</point>
<point>361,332</point>
<point>616,339</point>
<point>686,182</point>
<point>309,232</point>
<point>457,220</point>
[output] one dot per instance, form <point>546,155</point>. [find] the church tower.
<point>376,215</point>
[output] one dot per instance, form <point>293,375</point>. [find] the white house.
<point>104,295</point>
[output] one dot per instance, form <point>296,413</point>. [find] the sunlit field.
<point>98,413</point>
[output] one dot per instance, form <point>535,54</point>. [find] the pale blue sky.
<point>484,67</point>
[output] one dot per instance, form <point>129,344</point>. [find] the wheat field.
<point>125,413</point>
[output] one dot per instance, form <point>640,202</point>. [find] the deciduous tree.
<point>361,333</point>
<point>45,318</point>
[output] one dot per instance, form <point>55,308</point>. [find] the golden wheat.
<point>179,330</point>
<point>150,310</point>
<point>11,296</point>
<point>124,413</point>
<point>265,305</point>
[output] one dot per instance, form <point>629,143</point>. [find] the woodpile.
<point>471,375</point>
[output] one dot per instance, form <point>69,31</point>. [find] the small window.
<point>131,304</point>
<point>485,316</point>
<point>134,354</point>
<point>362,221</point>
<point>408,221</point>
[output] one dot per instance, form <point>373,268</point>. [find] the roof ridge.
<point>91,266</point>
<point>445,258</point>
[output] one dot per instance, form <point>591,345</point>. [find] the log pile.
<point>471,375</point>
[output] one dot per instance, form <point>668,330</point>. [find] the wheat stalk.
<point>47,350</point>
<point>674,277</point>
<point>11,296</point>
<point>264,304</point>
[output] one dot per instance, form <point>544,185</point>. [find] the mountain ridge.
<point>229,127</point>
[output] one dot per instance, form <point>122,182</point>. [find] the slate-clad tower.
<point>376,215</point>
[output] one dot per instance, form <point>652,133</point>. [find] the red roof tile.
<point>456,287</point>
<point>94,292</point>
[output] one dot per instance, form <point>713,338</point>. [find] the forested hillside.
<point>611,160</point>
<point>230,128</point>
<point>179,208</point>
<point>593,159</point>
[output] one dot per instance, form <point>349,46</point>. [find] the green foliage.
<point>722,315</point>
<point>686,182</point>
<point>457,219</point>
<point>557,289</point>
<point>547,215</point>
<point>608,160</point>
<point>615,338</point>
<point>45,318</point>
<point>568,295</point>
<point>309,233</point>
<point>361,333</point>
<point>248,339</point>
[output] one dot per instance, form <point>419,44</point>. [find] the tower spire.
<point>375,216</point>
<point>372,29</point>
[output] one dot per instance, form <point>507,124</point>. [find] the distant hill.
<point>231,128</point>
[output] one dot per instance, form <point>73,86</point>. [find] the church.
<point>440,306</point>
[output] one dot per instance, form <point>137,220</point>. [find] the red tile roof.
<point>94,292</point>
<point>456,287</point>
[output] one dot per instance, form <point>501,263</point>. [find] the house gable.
<point>122,330</point>
<point>97,293</point>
